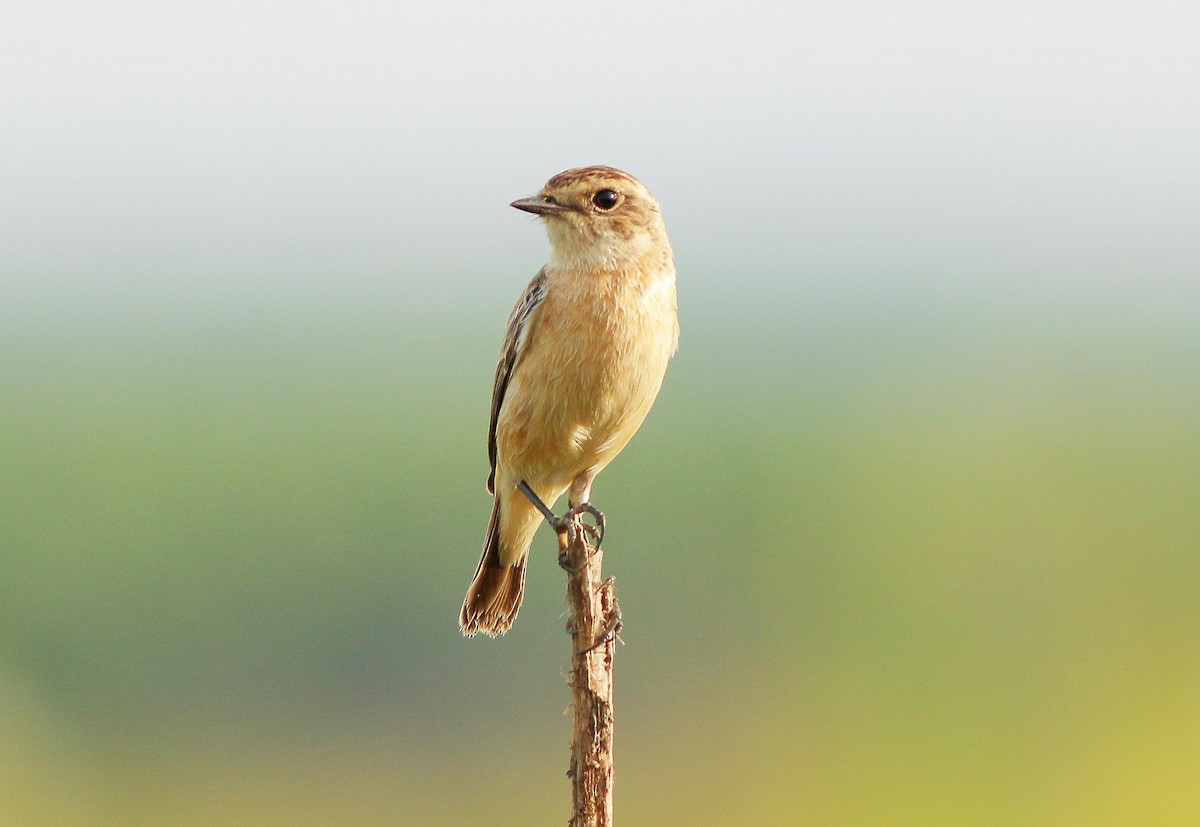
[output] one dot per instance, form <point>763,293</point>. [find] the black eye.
<point>605,199</point>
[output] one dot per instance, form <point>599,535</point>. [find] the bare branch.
<point>594,623</point>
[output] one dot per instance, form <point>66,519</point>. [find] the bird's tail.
<point>495,594</point>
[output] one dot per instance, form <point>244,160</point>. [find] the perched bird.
<point>584,356</point>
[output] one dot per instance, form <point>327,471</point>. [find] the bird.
<point>583,359</point>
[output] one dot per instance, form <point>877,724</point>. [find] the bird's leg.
<point>568,524</point>
<point>564,525</point>
<point>566,541</point>
<point>579,500</point>
<point>524,488</point>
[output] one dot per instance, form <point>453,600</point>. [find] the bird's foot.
<point>596,532</point>
<point>568,525</point>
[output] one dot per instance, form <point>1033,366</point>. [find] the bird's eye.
<point>606,199</point>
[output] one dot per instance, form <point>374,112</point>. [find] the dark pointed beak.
<point>539,205</point>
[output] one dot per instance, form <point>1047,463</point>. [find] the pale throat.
<point>569,250</point>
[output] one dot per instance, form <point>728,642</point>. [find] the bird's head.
<point>598,217</point>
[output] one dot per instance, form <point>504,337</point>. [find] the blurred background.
<point>912,536</point>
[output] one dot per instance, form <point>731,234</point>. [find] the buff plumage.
<point>583,359</point>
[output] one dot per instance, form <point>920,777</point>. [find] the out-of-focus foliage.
<point>907,573</point>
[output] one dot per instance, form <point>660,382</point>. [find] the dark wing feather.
<point>510,353</point>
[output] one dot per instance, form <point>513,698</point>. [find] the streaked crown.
<point>599,216</point>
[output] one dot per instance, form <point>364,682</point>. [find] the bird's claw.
<point>596,532</point>
<point>562,525</point>
<point>568,526</point>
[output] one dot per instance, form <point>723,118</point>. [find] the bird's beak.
<point>539,205</point>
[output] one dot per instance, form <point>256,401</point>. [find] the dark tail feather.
<point>495,594</point>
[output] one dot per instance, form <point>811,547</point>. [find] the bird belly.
<point>582,389</point>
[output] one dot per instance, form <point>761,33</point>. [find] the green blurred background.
<point>911,537</point>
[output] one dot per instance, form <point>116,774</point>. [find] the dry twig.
<point>595,620</point>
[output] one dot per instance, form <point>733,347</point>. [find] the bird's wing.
<point>515,340</point>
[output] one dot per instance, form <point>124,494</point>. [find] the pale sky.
<point>152,149</point>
